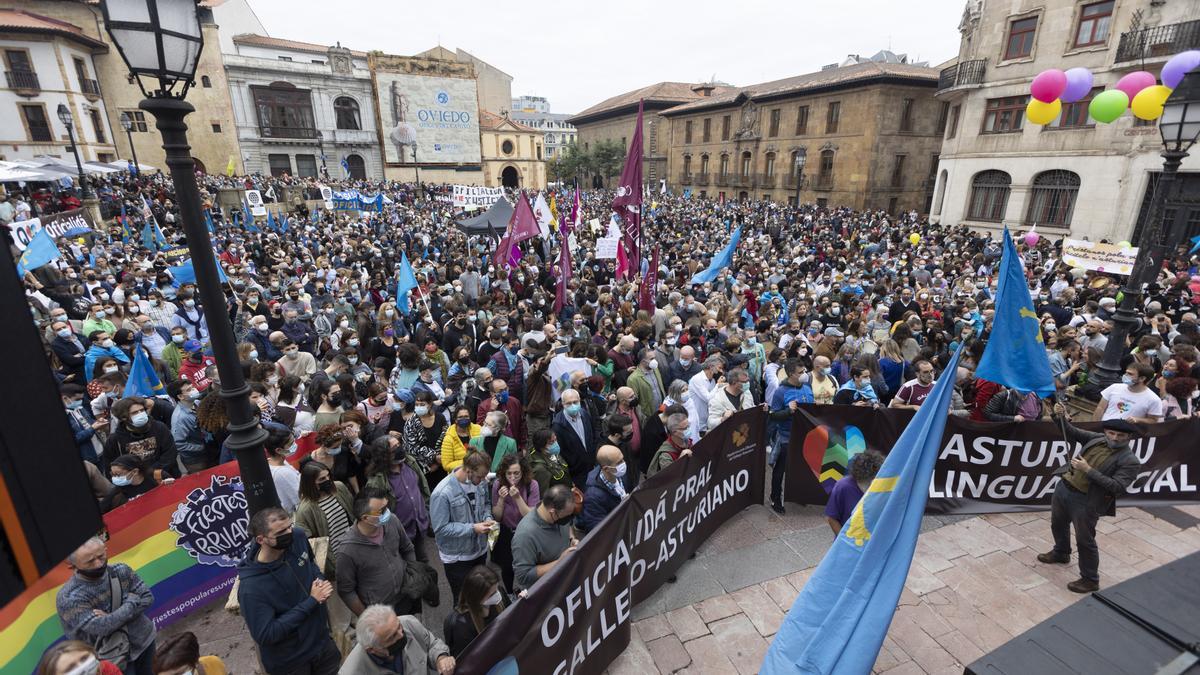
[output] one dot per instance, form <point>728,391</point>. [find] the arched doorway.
<point>198,166</point>
<point>509,177</point>
<point>597,182</point>
<point>358,168</point>
<point>743,196</point>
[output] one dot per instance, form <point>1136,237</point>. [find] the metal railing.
<point>89,87</point>
<point>790,180</point>
<point>765,180</point>
<point>744,180</point>
<point>823,182</point>
<point>23,79</point>
<point>962,73</point>
<point>723,179</point>
<point>288,132</point>
<point>685,179</point>
<point>1158,41</point>
<point>702,179</point>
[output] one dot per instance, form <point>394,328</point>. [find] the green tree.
<point>608,158</point>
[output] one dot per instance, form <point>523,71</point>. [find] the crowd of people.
<point>435,428</point>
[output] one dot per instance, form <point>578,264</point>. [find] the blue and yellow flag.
<point>720,261</point>
<point>1015,355</point>
<point>838,623</point>
<point>41,250</point>
<point>143,381</point>
<point>405,283</point>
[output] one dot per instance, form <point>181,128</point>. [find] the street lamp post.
<point>127,125</point>
<point>321,150</point>
<point>416,167</point>
<point>801,158</point>
<point>1179,127</point>
<point>68,120</point>
<point>161,40</point>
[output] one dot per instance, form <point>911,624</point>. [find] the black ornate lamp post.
<point>321,150</point>
<point>416,167</point>
<point>801,158</point>
<point>127,125</point>
<point>161,40</point>
<point>68,120</point>
<point>1180,127</point>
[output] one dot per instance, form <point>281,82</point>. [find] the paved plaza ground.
<point>974,584</point>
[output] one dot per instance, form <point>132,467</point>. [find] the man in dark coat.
<point>576,436</point>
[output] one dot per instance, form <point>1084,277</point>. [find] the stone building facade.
<point>513,154</point>
<point>494,85</point>
<point>1074,175</point>
<point>869,134</point>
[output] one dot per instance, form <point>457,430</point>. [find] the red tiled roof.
<point>669,92</point>
<point>280,43</point>
<point>491,122</point>
<point>22,21</point>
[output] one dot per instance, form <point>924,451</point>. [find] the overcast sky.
<point>579,53</point>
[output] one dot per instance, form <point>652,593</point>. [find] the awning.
<point>123,165</point>
<point>497,216</point>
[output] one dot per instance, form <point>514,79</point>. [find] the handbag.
<point>114,647</point>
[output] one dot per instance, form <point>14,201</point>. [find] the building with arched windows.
<point>303,109</point>
<point>1072,176</point>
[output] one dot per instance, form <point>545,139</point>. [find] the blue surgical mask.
<point>75,405</point>
<point>385,516</point>
<point>140,419</point>
<point>1128,380</point>
<point>573,409</point>
<point>502,397</point>
<point>553,448</point>
<point>121,481</point>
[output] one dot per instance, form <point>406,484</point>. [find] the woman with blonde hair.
<point>492,441</point>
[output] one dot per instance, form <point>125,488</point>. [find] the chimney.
<point>704,89</point>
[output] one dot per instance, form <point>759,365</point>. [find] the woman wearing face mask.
<point>423,436</point>
<point>514,494</point>
<point>385,344</point>
<point>857,390</point>
<point>330,451</point>
<point>458,437</point>
<point>148,438</point>
<point>73,657</point>
<point>290,408</point>
<point>132,479</point>
<point>462,368</point>
<point>180,655</point>
<point>376,406</point>
<point>324,509</point>
<point>1182,399</point>
<point>325,398</point>
<point>546,466</point>
<point>281,445</point>
<point>492,441</point>
<point>479,602</point>
<point>105,365</point>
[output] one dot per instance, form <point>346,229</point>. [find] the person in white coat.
<point>731,398</point>
<point>703,384</point>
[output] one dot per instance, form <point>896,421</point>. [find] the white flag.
<point>542,214</point>
<point>560,370</point>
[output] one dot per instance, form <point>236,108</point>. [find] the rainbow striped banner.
<point>183,539</point>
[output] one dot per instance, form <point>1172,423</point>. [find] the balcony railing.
<point>702,179</point>
<point>962,73</point>
<point>744,180</point>
<point>789,181</point>
<point>287,132</point>
<point>823,183</point>
<point>764,180</point>
<point>1159,41</point>
<point>723,179</point>
<point>89,87</point>
<point>23,79</point>
<point>685,179</point>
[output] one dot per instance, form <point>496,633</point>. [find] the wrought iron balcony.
<point>790,180</point>
<point>961,74</point>
<point>685,179</point>
<point>824,182</point>
<point>1159,41</point>
<point>701,179</point>
<point>25,80</point>
<point>287,132</point>
<point>89,87</point>
<point>765,180</point>
<point>744,180</point>
<point>723,179</point>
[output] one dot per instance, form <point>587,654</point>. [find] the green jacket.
<point>661,459</point>
<point>549,470</point>
<point>505,446</point>
<point>172,355</point>
<point>379,480</point>
<point>310,517</point>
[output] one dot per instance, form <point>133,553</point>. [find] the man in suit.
<point>1088,487</point>
<point>646,381</point>
<point>576,435</point>
<point>70,348</point>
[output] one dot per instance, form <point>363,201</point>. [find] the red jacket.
<point>194,372</point>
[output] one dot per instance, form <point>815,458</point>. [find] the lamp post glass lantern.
<point>801,158</point>
<point>1179,127</point>
<point>68,121</point>
<point>160,41</point>
<point>127,125</point>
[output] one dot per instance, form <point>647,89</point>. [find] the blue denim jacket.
<point>453,518</point>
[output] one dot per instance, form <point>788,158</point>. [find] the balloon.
<point>1179,65</point>
<point>1048,85</point>
<point>1042,113</point>
<point>1124,244</point>
<point>914,238</point>
<point>1031,238</point>
<point>1079,84</point>
<point>1134,82</point>
<point>1148,104</point>
<point>1108,105</point>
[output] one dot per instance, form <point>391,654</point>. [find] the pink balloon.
<point>1134,82</point>
<point>1048,85</point>
<point>1031,238</point>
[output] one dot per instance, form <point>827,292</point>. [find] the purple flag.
<point>628,203</point>
<point>523,225</point>
<point>564,275</point>
<point>646,293</point>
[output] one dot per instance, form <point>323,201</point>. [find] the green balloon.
<point>1108,105</point>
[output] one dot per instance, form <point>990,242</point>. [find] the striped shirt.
<point>337,519</point>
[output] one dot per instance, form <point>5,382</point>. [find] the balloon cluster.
<point>1139,91</point>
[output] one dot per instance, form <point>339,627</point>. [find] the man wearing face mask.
<point>646,381</point>
<point>299,331</point>
<point>576,434</point>
<point>460,512</point>
<point>373,555</point>
<point>190,317</point>
<point>390,643</point>
<point>792,392</point>
<point>195,365</point>
<point>189,439</point>
<point>102,345</point>
<point>1088,488</point>
<point>70,350</point>
<point>282,596</point>
<point>147,439</point>
<point>99,600</point>
<point>543,537</point>
<point>258,336</point>
<point>605,487</point>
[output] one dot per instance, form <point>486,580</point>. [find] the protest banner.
<point>606,248</point>
<point>985,467</point>
<point>326,196</point>
<point>576,619</point>
<point>73,223</point>
<point>561,367</point>
<point>353,200</point>
<point>255,200</point>
<point>1099,257</point>
<point>476,194</point>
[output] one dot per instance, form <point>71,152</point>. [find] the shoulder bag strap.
<point>115,584</point>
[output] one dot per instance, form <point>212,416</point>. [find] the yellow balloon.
<point>914,238</point>
<point>1148,104</point>
<point>1042,113</point>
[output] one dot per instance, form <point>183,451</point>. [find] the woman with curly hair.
<point>423,434</point>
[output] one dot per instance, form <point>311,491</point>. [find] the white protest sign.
<point>1099,257</point>
<point>606,248</point>
<point>255,200</point>
<point>477,195</point>
<point>327,195</point>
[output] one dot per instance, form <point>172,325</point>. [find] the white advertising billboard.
<point>441,114</point>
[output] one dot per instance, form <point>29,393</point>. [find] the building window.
<point>954,112</point>
<point>345,111</point>
<point>205,82</point>
<point>773,130</point>
<point>906,114</point>
<point>770,168</point>
<point>1094,21</point>
<point>507,147</point>
<point>893,205</point>
<point>97,125</point>
<point>989,196</point>
<point>280,164</point>
<point>898,171</point>
<point>358,168</point>
<point>1075,115</point>
<point>1020,38</point>
<point>707,132</point>
<point>285,58</point>
<point>1004,115</point>
<point>802,120</point>
<point>284,111</point>
<point>37,126</point>
<point>833,116</point>
<point>941,193</point>
<point>18,61</point>
<point>216,127</point>
<point>306,166</point>
<point>1052,199</point>
<point>943,117</point>
<point>825,169</point>
<point>725,128</point>
<point>724,165</point>
<point>747,162</point>
<point>703,165</point>
<point>137,120</point>
<point>687,132</point>
<point>687,166</point>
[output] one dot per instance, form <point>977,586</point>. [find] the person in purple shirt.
<point>514,494</point>
<point>850,489</point>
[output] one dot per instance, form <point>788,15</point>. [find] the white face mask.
<point>90,666</point>
<point>492,600</point>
